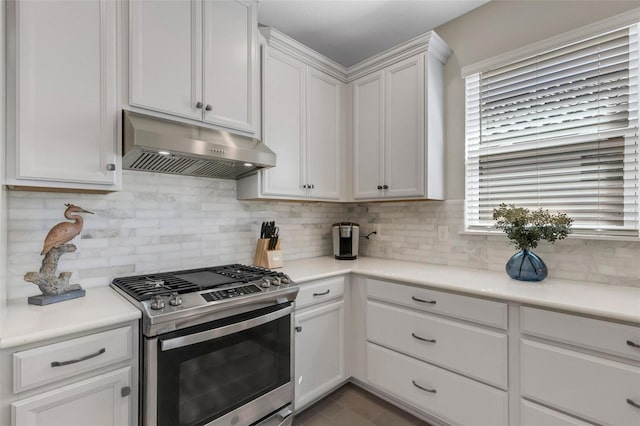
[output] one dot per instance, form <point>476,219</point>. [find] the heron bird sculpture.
<point>65,231</point>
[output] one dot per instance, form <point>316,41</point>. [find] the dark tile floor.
<point>352,406</point>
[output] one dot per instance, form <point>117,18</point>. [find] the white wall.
<point>3,191</point>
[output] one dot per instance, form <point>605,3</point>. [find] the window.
<point>558,130</point>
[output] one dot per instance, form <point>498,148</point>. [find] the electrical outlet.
<point>443,233</point>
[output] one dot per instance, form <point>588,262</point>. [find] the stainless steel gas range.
<point>217,346</point>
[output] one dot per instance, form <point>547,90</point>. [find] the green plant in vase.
<point>525,229</point>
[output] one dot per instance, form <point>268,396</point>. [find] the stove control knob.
<point>276,281</point>
<point>175,300</point>
<point>285,280</point>
<point>157,303</point>
<point>265,283</point>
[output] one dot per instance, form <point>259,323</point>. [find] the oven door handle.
<point>203,336</point>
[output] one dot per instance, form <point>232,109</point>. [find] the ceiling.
<point>349,31</point>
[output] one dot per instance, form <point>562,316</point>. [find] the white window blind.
<point>558,130</point>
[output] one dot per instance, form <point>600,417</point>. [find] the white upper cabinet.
<point>166,56</point>
<point>404,129</point>
<point>324,115</point>
<point>398,150</point>
<point>368,132</point>
<point>283,123</point>
<point>195,59</point>
<point>303,119</point>
<point>62,110</point>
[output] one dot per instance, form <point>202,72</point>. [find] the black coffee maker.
<point>346,236</point>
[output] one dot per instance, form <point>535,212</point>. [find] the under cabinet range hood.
<point>157,145</point>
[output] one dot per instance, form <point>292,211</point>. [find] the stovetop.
<point>173,300</point>
<point>144,287</point>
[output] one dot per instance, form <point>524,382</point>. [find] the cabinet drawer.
<point>590,387</point>
<point>320,291</point>
<point>469,350</point>
<point>469,308</point>
<point>453,398</point>
<point>46,364</point>
<point>536,415</point>
<point>605,336</point>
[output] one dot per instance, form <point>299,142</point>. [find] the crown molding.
<point>286,44</point>
<point>427,42</point>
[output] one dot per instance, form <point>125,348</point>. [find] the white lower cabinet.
<point>319,346</point>
<point>449,396</point>
<point>103,400</point>
<point>597,389</point>
<point>464,360</point>
<point>452,370</point>
<point>88,380</point>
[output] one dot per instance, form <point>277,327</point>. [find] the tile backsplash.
<point>163,222</point>
<point>409,232</point>
<point>159,222</point>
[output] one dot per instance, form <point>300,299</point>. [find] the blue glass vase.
<point>525,265</point>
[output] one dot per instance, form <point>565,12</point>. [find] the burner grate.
<point>143,287</point>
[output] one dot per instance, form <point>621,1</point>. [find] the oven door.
<point>233,371</point>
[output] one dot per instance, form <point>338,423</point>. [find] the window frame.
<point>576,36</point>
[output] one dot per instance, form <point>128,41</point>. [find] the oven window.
<point>201,382</point>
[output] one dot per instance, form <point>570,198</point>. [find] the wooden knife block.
<point>267,258</point>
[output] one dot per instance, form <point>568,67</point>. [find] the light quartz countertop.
<point>23,324</point>
<point>602,300</point>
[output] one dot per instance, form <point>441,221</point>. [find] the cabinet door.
<point>319,351</point>
<point>323,135</point>
<point>404,128</point>
<point>165,55</point>
<point>284,112</point>
<point>65,91</point>
<point>99,401</point>
<point>368,131</point>
<point>230,65</point>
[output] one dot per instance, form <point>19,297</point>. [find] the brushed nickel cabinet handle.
<point>208,108</point>
<point>298,329</point>
<point>432,302</point>
<point>199,105</point>
<point>632,403</point>
<point>111,167</point>
<point>633,344</point>
<point>324,293</point>
<point>73,361</point>
<point>425,389</point>
<point>415,336</point>
<point>379,187</point>
<point>385,186</point>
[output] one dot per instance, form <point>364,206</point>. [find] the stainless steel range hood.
<point>157,145</point>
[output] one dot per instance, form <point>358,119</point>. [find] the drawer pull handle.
<point>422,338</point>
<point>298,329</point>
<point>324,293</point>
<point>633,344</point>
<point>432,302</point>
<point>73,361</point>
<point>432,390</point>
<point>632,403</point>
